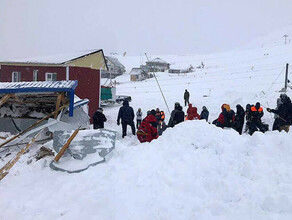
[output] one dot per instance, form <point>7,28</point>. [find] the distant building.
<point>82,66</point>
<point>157,65</point>
<point>137,74</point>
<point>115,68</point>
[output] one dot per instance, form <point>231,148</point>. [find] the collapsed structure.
<point>34,111</point>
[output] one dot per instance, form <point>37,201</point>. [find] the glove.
<point>268,109</point>
<point>118,123</point>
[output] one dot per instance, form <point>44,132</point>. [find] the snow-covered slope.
<point>193,171</point>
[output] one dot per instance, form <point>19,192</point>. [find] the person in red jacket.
<point>148,128</point>
<point>192,113</point>
<point>226,117</point>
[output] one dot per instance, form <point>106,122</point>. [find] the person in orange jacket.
<point>256,114</point>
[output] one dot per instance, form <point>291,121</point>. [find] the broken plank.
<point>64,148</point>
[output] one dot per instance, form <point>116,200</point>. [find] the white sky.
<point>40,27</point>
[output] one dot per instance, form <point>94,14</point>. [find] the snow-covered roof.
<point>157,60</point>
<point>14,87</point>
<point>136,71</point>
<point>115,61</point>
<point>54,59</point>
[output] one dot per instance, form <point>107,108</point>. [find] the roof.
<point>43,86</point>
<point>136,71</point>
<point>115,61</point>
<point>54,59</point>
<point>157,60</point>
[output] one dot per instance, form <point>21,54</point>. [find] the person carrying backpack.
<point>98,119</point>
<point>148,129</point>
<point>139,115</point>
<point>126,115</point>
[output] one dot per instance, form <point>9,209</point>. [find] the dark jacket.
<point>126,113</point>
<point>226,118</point>
<point>98,120</point>
<point>177,116</point>
<point>284,112</point>
<point>256,114</point>
<point>204,114</point>
<point>186,95</point>
<point>239,119</point>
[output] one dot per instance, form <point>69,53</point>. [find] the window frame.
<point>51,76</point>
<point>18,76</point>
<point>35,75</point>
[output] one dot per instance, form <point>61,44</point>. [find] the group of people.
<point>153,125</point>
<point>253,116</point>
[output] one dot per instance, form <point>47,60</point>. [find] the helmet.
<point>139,109</point>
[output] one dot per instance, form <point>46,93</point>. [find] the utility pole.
<point>286,77</point>
<point>285,38</point>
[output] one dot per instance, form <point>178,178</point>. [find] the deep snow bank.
<point>194,171</point>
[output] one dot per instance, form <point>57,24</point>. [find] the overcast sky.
<point>39,27</point>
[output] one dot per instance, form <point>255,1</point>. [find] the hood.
<point>126,103</point>
<point>190,105</point>
<point>150,118</point>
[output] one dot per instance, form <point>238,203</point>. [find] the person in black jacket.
<point>126,115</point>
<point>284,112</point>
<point>177,115</point>
<point>98,119</point>
<point>239,119</point>
<point>204,114</point>
<point>187,97</point>
<point>256,115</point>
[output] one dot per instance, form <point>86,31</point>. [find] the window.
<point>16,76</point>
<point>51,76</point>
<point>35,75</point>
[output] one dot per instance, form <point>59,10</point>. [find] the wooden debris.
<point>6,168</point>
<point>32,126</point>
<point>5,98</point>
<point>43,152</point>
<point>64,148</point>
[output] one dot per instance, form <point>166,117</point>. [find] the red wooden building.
<point>84,67</point>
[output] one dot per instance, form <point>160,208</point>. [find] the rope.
<point>159,87</point>
<point>276,78</point>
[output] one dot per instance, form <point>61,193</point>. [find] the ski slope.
<point>193,171</point>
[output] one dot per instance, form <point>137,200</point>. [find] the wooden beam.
<point>58,103</point>
<point>64,148</point>
<point>5,98</point>
<point>32,126</point>
<point>5,169</point>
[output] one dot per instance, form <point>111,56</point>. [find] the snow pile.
<point>204,173</point>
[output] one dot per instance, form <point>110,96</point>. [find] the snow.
<point>53,59</point>
<point>40,84</point>
<point>193,171</point>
